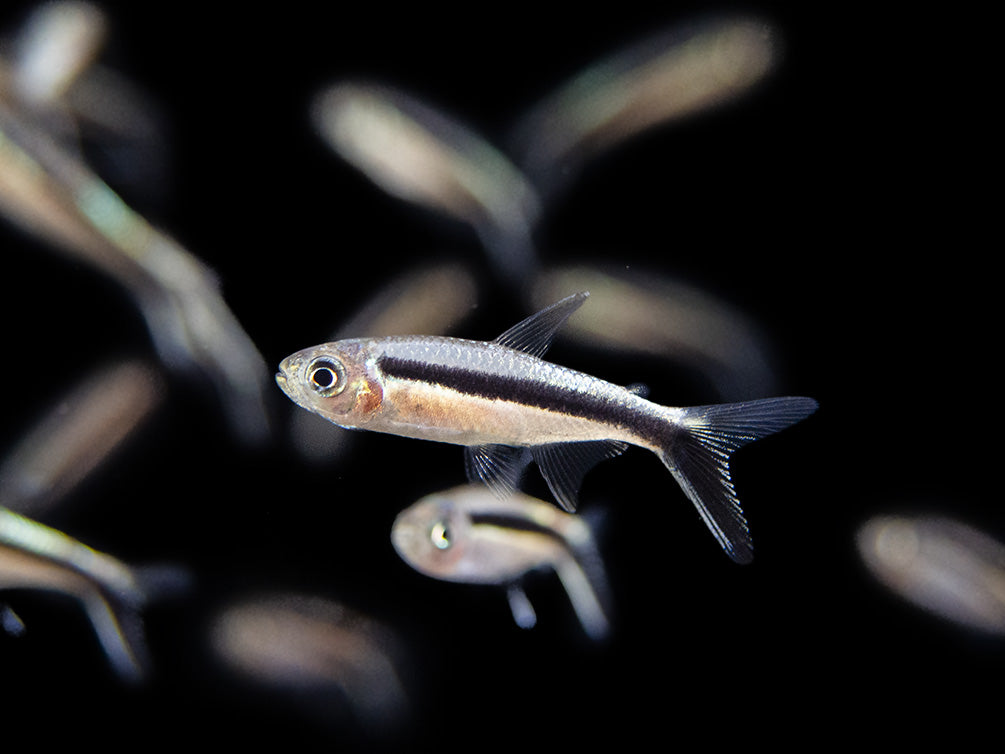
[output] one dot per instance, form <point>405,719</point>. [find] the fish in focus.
<point>471,535</point>
<point>35,556</point>
<point>943,566</point>
<point>506,405</point>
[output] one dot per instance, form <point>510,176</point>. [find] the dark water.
<point>834,205</point>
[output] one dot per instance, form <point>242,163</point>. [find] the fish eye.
<point>440,535</point>
<point>326,376</point>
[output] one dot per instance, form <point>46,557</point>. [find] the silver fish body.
<point>470,535</point>
<point>506,404</point>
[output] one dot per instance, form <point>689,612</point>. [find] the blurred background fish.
<point>310,645</point>
<point>80,432</point>
<point>35,556</point>
<point>57,43</point>
<point>47,190</point>
<point>639,311</point>
<point>807,204</point>
<point>421,155</point>
<point>676,73</point>
<point>469,534</point>
<point>944,566</point>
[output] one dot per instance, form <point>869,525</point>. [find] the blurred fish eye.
<point>326,376</point>
<point>440,535</point>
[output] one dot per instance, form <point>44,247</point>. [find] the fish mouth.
<point>283,384</point>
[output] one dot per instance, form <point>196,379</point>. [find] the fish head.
<point>432,536</point>
<point>335,380</point>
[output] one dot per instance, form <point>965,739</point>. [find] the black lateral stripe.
<point>545,395</point>
<point>516,523</point>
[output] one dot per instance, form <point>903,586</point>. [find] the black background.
<point>840,205</point>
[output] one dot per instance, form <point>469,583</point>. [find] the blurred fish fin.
<point>519,604</point>
<point>116,617</point>
<point>10,622</point>
<point>584,589</point>
<point>564,465</point>
<point>119,628</point>
<point>534,334</point>
<point>697,452</point>
<point>498,466</point>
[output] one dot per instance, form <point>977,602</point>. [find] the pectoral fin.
<point>498,466</point>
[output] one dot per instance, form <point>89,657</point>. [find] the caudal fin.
<point>697,454</point>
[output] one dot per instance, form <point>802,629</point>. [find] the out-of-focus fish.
<point>676,74</point>
<point>940,565</point>
<point>469,534</point>
<point>431,300</point>
<point>78,434</point>
<point>35,556</point>
<point>420,155</point>
<point>504,403</point>
<point>301,642</point>
<point>52,73</point>
<point>57,43</point>
<point>646,312</point>
<point>49,192</point>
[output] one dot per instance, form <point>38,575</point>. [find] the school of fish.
<point>398,367</point>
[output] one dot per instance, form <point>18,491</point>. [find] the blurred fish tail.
<point>698,449</point>
<point>585,582</point>
<point>119,628</point>
<point>118,623</point>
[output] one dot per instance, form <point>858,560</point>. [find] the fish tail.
<point>119,628</point>
<point>586,589</point>
<point>118,622</point>
<point>697,452</point>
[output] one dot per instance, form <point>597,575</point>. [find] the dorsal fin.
<point>534,334</point>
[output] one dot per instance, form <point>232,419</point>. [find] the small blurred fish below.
<point>469,534</point>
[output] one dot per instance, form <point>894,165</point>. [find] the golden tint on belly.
<point>434,412</point>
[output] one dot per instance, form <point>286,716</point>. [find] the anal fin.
<point>563,465</point>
